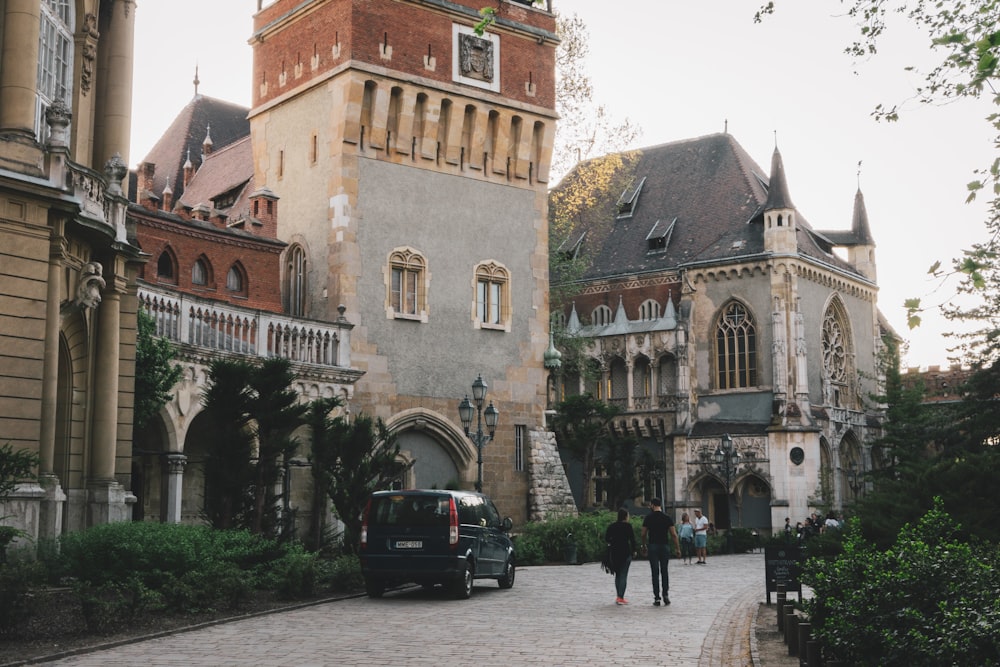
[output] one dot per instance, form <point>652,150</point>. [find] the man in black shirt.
<point>657,528</point>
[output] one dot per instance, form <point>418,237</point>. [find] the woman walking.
<point>621,544</point>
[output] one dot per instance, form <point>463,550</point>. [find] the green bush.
<point>341,574</point>
<point>111,606</point>
<point>294,575</point>
<point>17,603</point>
<point>546,541</point>
<point>929,599</point>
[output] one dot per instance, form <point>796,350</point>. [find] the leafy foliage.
<point>930,599</point>
<point>622,458</point>
<point>580,425</point>
<point>228,401</point>
<point>542,542</point>
<point>350,461</point>
<point>15,466</point>
<point>155,375</point>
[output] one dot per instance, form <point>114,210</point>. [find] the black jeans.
<point>659,556</point>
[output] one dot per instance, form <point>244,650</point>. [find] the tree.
<point>155,375</point>
<point>15,466</point>
<point>228,467</point>
<point>354,459</point>
<point>627,466</point>
<point>321,457</point>
<point>581,426</point>
<point>967,35</point>
<point>276,414</point>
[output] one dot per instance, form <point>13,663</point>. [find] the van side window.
<point>469,510</point>
<point>492,515</point>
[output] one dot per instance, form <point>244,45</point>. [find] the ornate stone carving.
<point>57,117</point>
<point>88,289</point>
<point>475,57</point>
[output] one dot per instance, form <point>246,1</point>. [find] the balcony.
<point>206,325</point>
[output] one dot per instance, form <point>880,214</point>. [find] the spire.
<point>206,145</point>
<point>859,224</point>
<point>196,80</point>
<point>777,191</point>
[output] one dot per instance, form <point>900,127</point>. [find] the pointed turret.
<point>862,253</point>
<point>206,145</point>
<point>779,211</point>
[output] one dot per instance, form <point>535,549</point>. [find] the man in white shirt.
<point>700,537</point>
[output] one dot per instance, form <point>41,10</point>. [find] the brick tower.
<point>411,159</point>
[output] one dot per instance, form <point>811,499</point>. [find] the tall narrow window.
<point>407,291</point>
<point>295,276</point>
<point>55,59</point>
<point>492,298</point>
<point>736,348</point>
<point>520,434</point>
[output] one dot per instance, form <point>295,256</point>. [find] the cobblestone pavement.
<point>554,615</point>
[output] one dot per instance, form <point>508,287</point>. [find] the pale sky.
<point>684,69</point>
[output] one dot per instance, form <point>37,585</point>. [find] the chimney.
<point>264,212</point>
<point>146,197</point>
<point>188,169</point>
<point>168,196</point>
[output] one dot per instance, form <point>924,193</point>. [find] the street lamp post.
<point>490,415</point>
<point>728,460</point>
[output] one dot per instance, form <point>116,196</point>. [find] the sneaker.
<point>619,600</point>
<point>666,600</point>
<point>656,602</point>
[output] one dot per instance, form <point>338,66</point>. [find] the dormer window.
<point>659,236</point>
<point>629,200</point>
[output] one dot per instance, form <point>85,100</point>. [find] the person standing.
<point>657,529</point>
<point>700,537</point>
<point>686,532</point>
<point>620,538</point>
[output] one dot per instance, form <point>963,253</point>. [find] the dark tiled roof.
<point>226,171</point>
<point>708,188</point>
<point>228,124</point>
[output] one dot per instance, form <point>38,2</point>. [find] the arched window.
<point>618,377</point>
<point>736,348</point>
<point>641,379</point>
<point>666,379</point>
<point>407,283</point>
<point>199,272</point>
<point>295,277</point>
<point>236,279</point>
<point>600,316</point>
<point>55,59</point>
<point>492,295</point>
<point>649,310</point>
<point>838,356</point>
<point>166,267</point>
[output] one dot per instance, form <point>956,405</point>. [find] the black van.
<point>432,537</point>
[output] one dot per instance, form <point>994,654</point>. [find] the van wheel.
<point>374,588</point>
<point>506,580</point>
<point>462,587</point>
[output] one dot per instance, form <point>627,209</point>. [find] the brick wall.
<point>189,240</point>
<point>287,58</point>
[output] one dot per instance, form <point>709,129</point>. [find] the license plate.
<point>410,544</point>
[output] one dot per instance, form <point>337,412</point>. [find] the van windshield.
<point>409,511</point>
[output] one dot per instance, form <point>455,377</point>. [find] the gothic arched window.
<point>736,348</point>
<point>295,277</point>
<point>55,58</point>
<point>837,355</point>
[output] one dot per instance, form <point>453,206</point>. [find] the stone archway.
<point>441,453</point>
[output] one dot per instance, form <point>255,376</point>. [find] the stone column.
<point>21,23</point>
<point>113,123</point>
<point>175,486</point>
<point>105,389</point>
